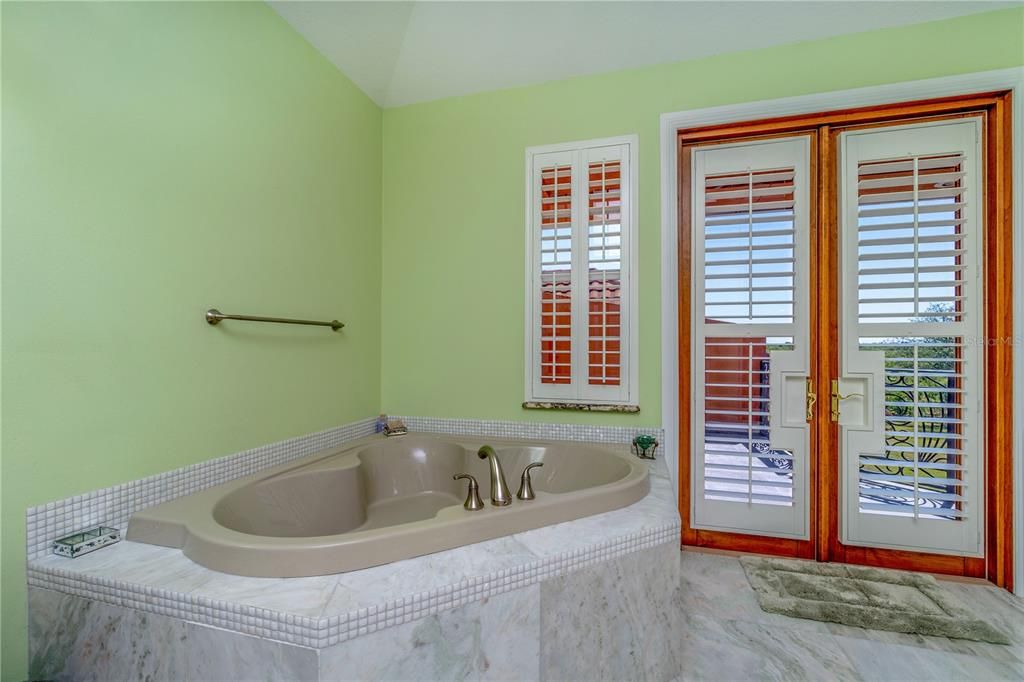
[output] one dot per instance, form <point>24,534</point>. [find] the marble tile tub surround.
<point>322,611</point>
<point>72,638</point>
<point>615,620</point>
<point>618,619</point>
<point>113,506</point>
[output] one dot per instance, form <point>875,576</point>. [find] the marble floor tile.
<point>1004,609</point>
<point>727,637</point>
<point>996,652</point>
<point>715,584</point>
<point>882,662</point>
<point>713,649</point>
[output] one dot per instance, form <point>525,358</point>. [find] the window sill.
<point>580,407</point>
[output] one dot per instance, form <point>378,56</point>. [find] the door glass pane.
<point>749,247</point>
<point>910,233</point>
<point>920,472</point>
<point>740,465</point>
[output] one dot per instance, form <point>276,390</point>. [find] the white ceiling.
<point>402,52</point>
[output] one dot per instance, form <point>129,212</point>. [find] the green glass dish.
<point>645,446</point>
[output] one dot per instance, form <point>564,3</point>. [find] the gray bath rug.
<point>873,598</point>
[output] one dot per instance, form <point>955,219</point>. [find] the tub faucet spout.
<point>500,496</point>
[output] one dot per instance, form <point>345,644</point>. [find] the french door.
<point>751,336</point>
<point>842,291</point>
<point>910,396</point>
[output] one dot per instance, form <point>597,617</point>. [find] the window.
<point>581,338</point>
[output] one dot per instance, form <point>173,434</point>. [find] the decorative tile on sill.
<point>580,407</point>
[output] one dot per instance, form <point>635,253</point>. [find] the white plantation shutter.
<point>749,227</point>
<point>580,322</point>
<point>910,239</point>
<point>750,438</point>
<point>921,471</point>
<point>555,233</point>
<point>604,272</point>
<point>912,302</point>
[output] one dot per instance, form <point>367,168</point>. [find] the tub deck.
<point>321,611</point>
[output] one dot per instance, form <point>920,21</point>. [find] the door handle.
<point>812,398</point>
<point>837,397</point>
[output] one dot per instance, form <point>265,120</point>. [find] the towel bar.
<point>214,316</point>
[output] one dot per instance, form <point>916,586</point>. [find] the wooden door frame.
<point>823,127</point>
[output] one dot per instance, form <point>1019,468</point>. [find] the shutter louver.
<point>748,252</point>
<point>920,473</point>
<point>910,233</point>
<point>739,462</point>
<point>748,268</point>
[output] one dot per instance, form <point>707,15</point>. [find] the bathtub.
<point>380,500</point>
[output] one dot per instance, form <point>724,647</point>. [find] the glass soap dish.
<point>86,541</point>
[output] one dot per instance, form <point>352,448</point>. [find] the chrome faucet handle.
<point>473,501</point>
<point>525,485</point>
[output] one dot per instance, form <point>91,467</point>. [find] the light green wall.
<point>160,159</point>
<point>454,254</point>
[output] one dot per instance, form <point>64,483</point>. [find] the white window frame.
<point>579,392</point>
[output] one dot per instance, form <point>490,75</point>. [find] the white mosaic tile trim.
<point>324,632</point>
<point>113,506</point>
<point>532,430</point>
<point>396,612</point>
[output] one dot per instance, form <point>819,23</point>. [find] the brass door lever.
<point>837,397</point>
